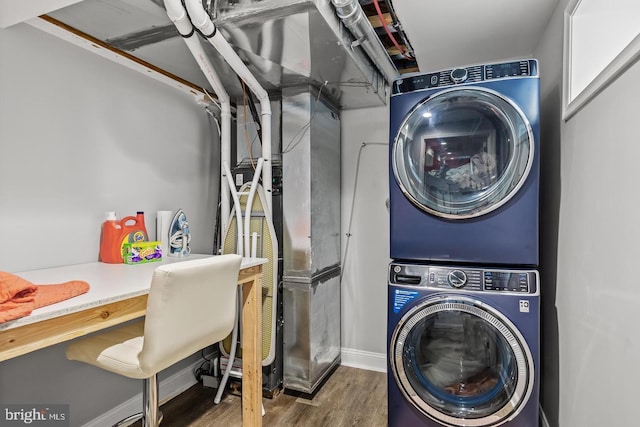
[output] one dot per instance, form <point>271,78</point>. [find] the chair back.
<point>192,304</point>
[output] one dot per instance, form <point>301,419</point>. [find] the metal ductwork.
<point>284,43</point>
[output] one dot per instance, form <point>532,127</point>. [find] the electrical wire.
<point>176,241</point>
<point>200,370</point>
<point>254,114</point>
<point>215,119</point>
<point>386,29</point>
<point>544,421</point>
<point>398,28</point>
<point>303,130</point>
<point>212,99</point>
<point>246,132</point>
<point>217,232</point>
<point>353,201</point>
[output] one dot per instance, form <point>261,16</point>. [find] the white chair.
<point>192,304</point>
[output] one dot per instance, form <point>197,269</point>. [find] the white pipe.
<point>201,20</point>
<point>178,16</point>
<point>225,156</point>
<point>236,201</point>
<point>180,19</point>
<point>225,127</point>
<point>254,244</point>
<point>232,350</point>
<point>249,207</point>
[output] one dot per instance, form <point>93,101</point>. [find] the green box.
<point>141,252</point>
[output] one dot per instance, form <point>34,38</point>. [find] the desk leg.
<point>252,352</point>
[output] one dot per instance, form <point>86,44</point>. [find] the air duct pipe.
<point>178,16</point>
<point>200,19</point>
<point>351,15</point>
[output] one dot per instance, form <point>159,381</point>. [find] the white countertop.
<point>108,283</point>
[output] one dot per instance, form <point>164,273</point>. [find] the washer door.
<point>461,363</point>
<point>463,152</point>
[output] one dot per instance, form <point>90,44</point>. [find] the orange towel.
<point>19,297</point>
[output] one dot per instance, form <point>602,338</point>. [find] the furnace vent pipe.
<point>178,16</point>
<point>200,19</point>
<point>351,15</point>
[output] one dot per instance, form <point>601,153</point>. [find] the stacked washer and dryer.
<point>463,294</point>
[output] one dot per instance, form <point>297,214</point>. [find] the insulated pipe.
<point>180,19</point>
<point>201,20</point>
<point>351,15</point>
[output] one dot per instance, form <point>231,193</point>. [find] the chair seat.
<point>116,350</point>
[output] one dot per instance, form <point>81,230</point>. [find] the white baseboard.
<point>169,388</point>
<point>364,360</point>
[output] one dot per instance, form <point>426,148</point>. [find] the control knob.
<point>457,278</point>
<point>459,75</point>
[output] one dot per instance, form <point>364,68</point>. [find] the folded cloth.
<point>19,297</point>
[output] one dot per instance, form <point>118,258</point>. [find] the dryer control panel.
<point>467,278</point>
<point>470,74</point>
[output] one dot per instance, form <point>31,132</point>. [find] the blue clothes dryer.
<point>463,346</point>
<point>464,165</point>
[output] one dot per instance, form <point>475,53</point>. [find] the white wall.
<point>590,294</point>
<point>598,292</point>
<point>79,136</point>
<point>364,280</point>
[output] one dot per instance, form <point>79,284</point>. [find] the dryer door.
<point>463,152</point>
<point>461,363</point>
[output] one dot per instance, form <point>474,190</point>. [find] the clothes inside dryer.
<point>463,159</point>
<point>460,364</point>
<point>462,152</point>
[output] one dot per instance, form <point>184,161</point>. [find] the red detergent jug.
<point>134,229</point>
<point>110,240</point>
<point>115,233</point>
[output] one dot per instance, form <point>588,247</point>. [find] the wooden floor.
<point>350,397</point>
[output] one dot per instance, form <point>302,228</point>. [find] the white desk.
<point>117,294</point>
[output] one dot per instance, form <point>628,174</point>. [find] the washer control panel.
<point>468,278</point>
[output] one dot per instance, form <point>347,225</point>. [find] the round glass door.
<point>463,153</point>
<point>456,359</point>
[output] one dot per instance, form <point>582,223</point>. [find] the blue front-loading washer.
<point>463,346</point>
<point>464,165</point>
